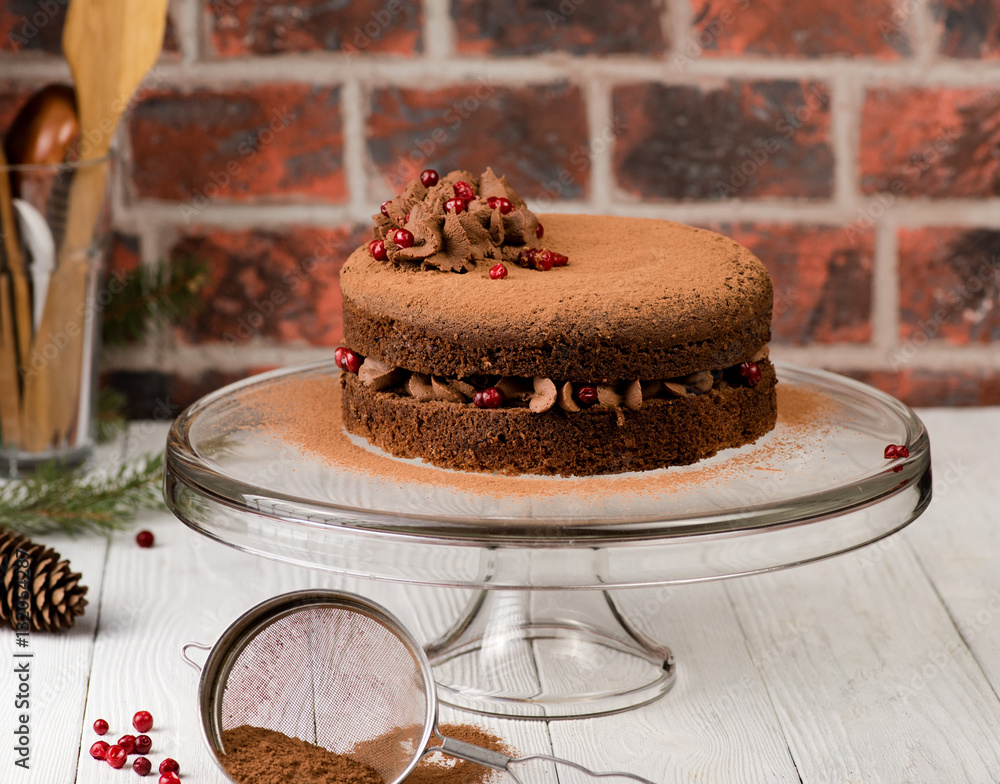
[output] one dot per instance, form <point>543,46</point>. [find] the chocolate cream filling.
<point>542,394</point>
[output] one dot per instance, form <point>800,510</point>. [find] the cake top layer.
<point>636,281</point>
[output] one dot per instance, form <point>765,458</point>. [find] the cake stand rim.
<point>875,487</point>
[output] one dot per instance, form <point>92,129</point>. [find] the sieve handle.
<point>187,659</point>
<point>581,768</point>
<point>473,753</point>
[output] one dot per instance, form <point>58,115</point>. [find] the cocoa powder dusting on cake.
<point>306,412</point>
<point>255,755</point>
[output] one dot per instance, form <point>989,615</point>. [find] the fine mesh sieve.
<point>339,671</point>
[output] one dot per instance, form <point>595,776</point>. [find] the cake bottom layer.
<point>594,441</point>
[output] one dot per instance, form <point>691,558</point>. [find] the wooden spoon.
<point>43,130</point>
<point>110,45</point>
<point>15,265</point>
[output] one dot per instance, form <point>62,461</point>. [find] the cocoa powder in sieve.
<point>258,756</point>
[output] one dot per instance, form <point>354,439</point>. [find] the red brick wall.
<point>853,144</point>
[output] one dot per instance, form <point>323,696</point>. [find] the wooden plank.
<point>428,612</point>
<point>716,724</point>
<point>848,686</point>
<point>958,539</point>
<point>60,667</point>
<point>185,588</point>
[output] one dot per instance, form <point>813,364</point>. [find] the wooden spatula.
<point>110,46</point>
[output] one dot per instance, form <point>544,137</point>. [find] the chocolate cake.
<point>482,337</point>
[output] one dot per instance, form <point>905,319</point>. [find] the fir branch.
<point>111,419</point>
<point>54,498</point>
<point>160,295</point>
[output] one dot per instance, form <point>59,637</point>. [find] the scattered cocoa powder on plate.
<point>259,756</point>
<point>304,411</point>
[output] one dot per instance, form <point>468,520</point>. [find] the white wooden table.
<point>877,666</point>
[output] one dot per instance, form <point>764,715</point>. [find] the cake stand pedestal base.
<point>548,655</point>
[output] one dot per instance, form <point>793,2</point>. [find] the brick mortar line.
<point>355,153</point>
<point>190,361</point>
<point>985,213</point>
<point>324,68</point>
<point>924,33</point>
<point>845,131</point>
<point>678,17</point>
<point>600,117</point>
<point>932,357</point>
<point>885,288</point>
<point>438,30</point>
<point>188,28</point>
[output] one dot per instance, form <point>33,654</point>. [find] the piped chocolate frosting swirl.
<point>456,239</point>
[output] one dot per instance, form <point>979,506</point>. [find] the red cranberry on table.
<point>142,766</point>
<point>464,191</point>
<point>750,373</point>
<point>490,397</point>
<point>498,272</point>
<point>587,395</point>
<point>896,451</point>
<point>429,178</point>
<point>99,750</point>
<point>169,766</point>
<point>403,238</point>
<point>169,778</point>
<point>377,249</point>
<point>101,726</point>
<point>116,757</point>
<point>143,743</point>
<point>455,205</point>
<point>127,742</point>
<point>143,539</point>
<point>558,259</point>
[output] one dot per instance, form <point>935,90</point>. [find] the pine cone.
<point>54,595</point>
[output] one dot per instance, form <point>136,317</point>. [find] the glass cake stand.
<point>544,636</point>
